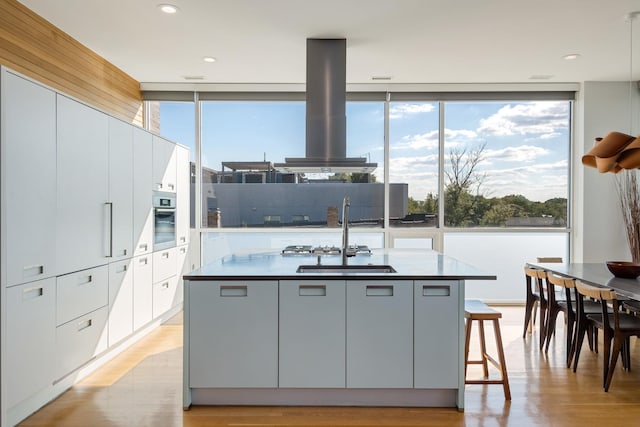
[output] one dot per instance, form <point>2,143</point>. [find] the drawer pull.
<point>312,290</point>
<point>32,293</point>
<point>124,268</point>
<point>143,261</point>
<point>183,239</point>
<point>165,254</point>
<point>85,280</point>
<point>379,291</point>
<point>84,324</point>
<point>143,246</point>
<point>32,270</point>
<point>436,291</point>
<point>171,186</point>
<point>124,252</point>
<point>165,285</point>
<point>183,250</point>
<point>159,185</point>
<point>233,291</point>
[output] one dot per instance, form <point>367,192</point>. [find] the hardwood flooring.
<point>142,387</point>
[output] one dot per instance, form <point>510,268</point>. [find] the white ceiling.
<point>412,41</point>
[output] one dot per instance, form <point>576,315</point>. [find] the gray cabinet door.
<point>82,213</point>
<point>121,188</point>
<point>437,334</point>
<point>312,334</point>
<point>233,334</point>
<point>379,334</point>
<point>142,192</point>
<point>29,163</point>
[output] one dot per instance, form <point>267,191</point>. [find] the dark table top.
<point>272,265</point>
<point>595,274</point>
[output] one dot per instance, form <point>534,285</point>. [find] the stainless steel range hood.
<point>326,122</point>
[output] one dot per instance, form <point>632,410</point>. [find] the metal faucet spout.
<point>345,228</point>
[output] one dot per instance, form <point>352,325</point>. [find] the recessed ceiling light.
<point>168,8</point>
<point>571,56</point>
<point>209,59</point>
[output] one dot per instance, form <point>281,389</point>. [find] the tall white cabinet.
<point>77,282</point>
<point>28,179</point>
<point>83,212</point>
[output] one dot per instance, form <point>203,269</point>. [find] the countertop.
<point>272,265</point>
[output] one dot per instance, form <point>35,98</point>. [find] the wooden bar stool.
<point>476,310</point>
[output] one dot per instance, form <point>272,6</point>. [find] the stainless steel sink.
<point>346,269</point>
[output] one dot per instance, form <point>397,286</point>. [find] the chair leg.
<point>577,344</point>
<point>543,324</point>
<point>528,311</point>
<point>606,357</point>
<point>467,338</point>
<point>617,347</point>
<point>552,318</point>
<point>570,339</point>
<point>483,349</point>
<point>501,358</point>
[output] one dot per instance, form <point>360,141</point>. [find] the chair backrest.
<point>549,259</point>
<point>600,294</point>
<point>536,273</point>
<point>539,277</point>
<point>565,282</point>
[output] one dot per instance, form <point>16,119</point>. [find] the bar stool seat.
<point>476,310</point>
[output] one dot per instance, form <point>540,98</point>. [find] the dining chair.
<point>617,327</point>
<point>567,305</point>
<point>535,295</point>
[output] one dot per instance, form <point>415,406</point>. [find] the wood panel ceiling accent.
<point>34,47</point>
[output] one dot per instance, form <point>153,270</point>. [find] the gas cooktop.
<point>325,250</point>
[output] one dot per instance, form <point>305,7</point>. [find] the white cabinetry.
<point>120,189</point>
<point>82,171</point>
<point>312,334</point>
<point>380,334</point>
<point>436,342</point>
<point>233,334</point>
<point>142,189</point>
<point>184,267</point>
<point>183,195</point>
<point>165,280</point>
<point>120,300</point>
<point>164,165</point>
<point>29,179</point>
<point>30,339</point>
<point>81,292</point>
<point>142,290</point>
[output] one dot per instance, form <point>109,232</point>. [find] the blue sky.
<point>526,152</point>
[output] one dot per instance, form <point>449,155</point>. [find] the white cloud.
<point>398,111</point>
<point>536,118</point>
<point>521,153</point>
<point>422,141</point>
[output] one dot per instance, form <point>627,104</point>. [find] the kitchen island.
<point>388,331</point>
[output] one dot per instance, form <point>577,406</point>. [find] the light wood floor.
<point>142,387</point>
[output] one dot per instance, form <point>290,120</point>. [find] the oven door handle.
<point>165,210</point>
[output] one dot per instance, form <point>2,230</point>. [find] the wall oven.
<point>164,220</point>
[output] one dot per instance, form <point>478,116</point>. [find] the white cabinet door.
<point>233,334</point>
<point>312,334</point>
<point>29,164</point>
<point>184,267</point>
<point>165,296</point>
<point>81,292</point>
<point>79,340</point>
<point>82,171</point>
<point>165,264</point>
<point>164,165</point>
<point>30,339</point>
<point>142,290</point>
<point>142,192</point>
<point>379,334</point>
<point>437,330</point>
<point>121,189</point>
<point>183,195</point>
<point>120,300</point>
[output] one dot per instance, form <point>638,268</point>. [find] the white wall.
<point>598,232</point>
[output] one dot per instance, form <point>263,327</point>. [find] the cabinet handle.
<point>32,270</point>
<point>183,250</point>
<point>124,268</point>
<point>183,239</point>
<point>32,293</point>
<point>165,285</point>
<point>124,252</point>
<point>233,291</point>
<point>143,246</point>
<point>171,186</point>
<point>312,290</point>
<point>84,324</point>
<point>144,261</point>
<point>85,280</point>
<point>165,254</point>
<point>109,229</point>
<point>159,185</point>
<point>436,291</point>
<point>379,291</point>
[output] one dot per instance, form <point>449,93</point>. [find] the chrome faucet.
<point>345,228</point>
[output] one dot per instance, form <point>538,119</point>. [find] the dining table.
<point>596,274</point>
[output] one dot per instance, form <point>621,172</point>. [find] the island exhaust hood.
<point>326,121</point>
